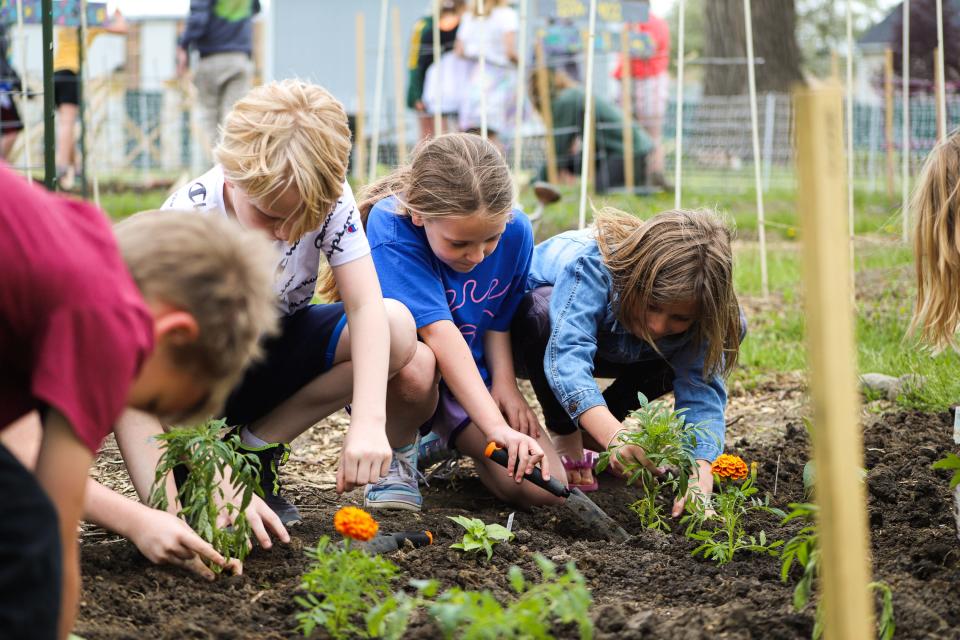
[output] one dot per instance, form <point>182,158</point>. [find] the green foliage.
<point>343,587</point>
<point>201,497</point>
<point>732,504</point>
<point>951,463</point>
<point>668,442</point>
<point>480,535</point>
<point>559,598</point>
<point>804,550</point>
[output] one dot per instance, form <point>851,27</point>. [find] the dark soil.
<point>649,587</point>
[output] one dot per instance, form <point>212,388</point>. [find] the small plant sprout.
<point>344,584</point>
<point>735,500</point>
<point>804,550</point>
<point>479,535</point>
<point>668,442</point>
<point>201,497</point>
<point>950,463</point>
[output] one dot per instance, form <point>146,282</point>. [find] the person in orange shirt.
<point>649,68</point>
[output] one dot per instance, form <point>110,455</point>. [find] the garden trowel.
<point>583,507</point>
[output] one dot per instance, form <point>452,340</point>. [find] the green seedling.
<point>668,442</point>
<point>480,535</point>
<point>804,550</point>
<point>343,586</point>
<point>732,505</point>
<point>950,463</point>
<point>201,497</point>
<point>559,598</point>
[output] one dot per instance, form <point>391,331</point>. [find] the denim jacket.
<point>585,326</point>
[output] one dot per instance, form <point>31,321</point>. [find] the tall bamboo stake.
<point>483,74</point>
<point>678,162</point>
<point>399,105</point>
<point>546,110</point>
<point>626,93</point>
<point>521,86</point>
<point>438,114</point>
<point>941,83</point>
<point>755,133</point>
<point>22,46</point>
<point>587,117</point>
<point>378,90</point>
<point>361,157</point>
<point>938,91</point>
<point>849,87</point>
<point>905,146</point>
<point>888,122</point>
<point>837,441</point>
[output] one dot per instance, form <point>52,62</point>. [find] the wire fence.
<point>149,136</point>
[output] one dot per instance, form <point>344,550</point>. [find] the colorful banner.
<point>607,10</point>
<point>66,13</point>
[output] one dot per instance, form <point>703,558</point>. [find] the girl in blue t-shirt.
<point>448,244</point>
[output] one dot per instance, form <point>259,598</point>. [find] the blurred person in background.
<point>649,69</point>
<point>420,97</point>
<point>10,124</point>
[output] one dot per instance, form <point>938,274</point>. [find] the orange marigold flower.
<point>355,523</point>
<point>728,466</point>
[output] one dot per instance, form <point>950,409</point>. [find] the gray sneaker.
<point>431,451</point>
<point>398,490</point>
<point>272,456</point>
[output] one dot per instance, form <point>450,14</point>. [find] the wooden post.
<point>888,106</point>
<point>588,170</point>
<point>755,134</point>
<point>399,105</point>
<point>837,442</point>
<point>546,113</point>
<point>938,92</point>
<point>586,158</point>
<point>678,154</point>
<point>905,143</point>
<point>850,151</point>
<point>438,114</point>
<point>626,103</point>
<point>377,115</point>
<point>360,157</point>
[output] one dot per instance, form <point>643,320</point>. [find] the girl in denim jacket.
<point>648,303</point>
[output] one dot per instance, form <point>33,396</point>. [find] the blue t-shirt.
<point>484,299</point>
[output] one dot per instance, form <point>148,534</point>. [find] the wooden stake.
<point>938,92</point>
<point>378,89</point>
<point>589,166</point>
<point>888,126</point>
<point>850,123</point>
<point>905,143</point>
<point>838,446</point>
<point>521,89</point>
<point>546,110</point>
<point>438,114</point>
<point>360,157</point>
<point>755,134</point>
<point>586,158</point>
<point>399,105</point>
<point>482,68</point>
<point>678,154</point>
<point>626,103</point>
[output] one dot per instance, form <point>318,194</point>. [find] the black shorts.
<point>65,89</point>
<point>30,562</point>
<point>303,351</point>
<point>9,116</point>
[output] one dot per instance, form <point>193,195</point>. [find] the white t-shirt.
<point>478,34</point>
<point>340,237</point>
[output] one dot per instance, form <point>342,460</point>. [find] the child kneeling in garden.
<point>649,303</point>
<point>449,244</point>
<point>90,324</point>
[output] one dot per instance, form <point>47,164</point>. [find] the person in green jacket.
<point>567,101</point>
<point>421,56</point>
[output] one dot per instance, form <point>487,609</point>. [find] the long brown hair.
<point>453,175</point>
<point>936,205</point>
<point>675,256</point>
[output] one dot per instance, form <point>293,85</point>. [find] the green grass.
<point>775,340</point>
<point>120,205</point>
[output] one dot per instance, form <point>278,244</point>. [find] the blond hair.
<point>450,176</point>
<point>936,205</point>
<point>675,256</point>
<point>220,274</point>
<point>488,6</point>
<point>288,134</point>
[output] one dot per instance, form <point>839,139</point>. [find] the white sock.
<point>248,438</point>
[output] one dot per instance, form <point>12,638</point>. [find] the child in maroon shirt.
<point>86,330</point>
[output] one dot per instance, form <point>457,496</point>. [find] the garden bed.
<point>649,587</point>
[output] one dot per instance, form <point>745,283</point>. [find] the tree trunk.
<point>774,40</point>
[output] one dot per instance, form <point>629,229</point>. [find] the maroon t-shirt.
<point>74,329</point>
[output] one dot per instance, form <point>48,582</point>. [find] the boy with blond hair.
<point>88,327</point>
<point>282,165</point>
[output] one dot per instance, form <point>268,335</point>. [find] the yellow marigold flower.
<point>728,466</point>
<point>351,522</point>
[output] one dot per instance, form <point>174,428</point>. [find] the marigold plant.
<point>730,467</point>
<point>354,523</point>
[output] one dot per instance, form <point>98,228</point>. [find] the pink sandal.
<point>589,459</point>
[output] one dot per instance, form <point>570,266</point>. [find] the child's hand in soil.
<point>629,454</point>
<point>515,409</point>
<point>523,452</point>
<point>166,539</point>
<point>365,457</point>
<point>263,521</point>
<point>701,486</point>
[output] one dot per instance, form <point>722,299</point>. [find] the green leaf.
<point>515,575</point>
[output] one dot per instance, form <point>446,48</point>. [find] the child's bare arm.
<point>62,467</point>
<point>366,450</point>
<point>461,375</point>
<point>504,390</point>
